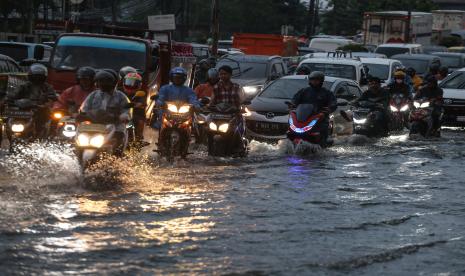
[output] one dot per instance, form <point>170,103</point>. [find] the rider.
<point>76,94</point>
<point>416,79</point>
<point>399,86</point>
<point>107,99</point>
<point>320,97</point>
<point>37,90</point>
<point>201,75</point>
<point>176,91</point>
<point>434,93</point>
<point>132,87</point>
<point>443,72</point>
<point>303,70</point>
<point>122,73</point>
<point>206,89</point>
<point>225,90</point>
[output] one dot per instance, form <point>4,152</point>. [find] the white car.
<point>329,44</point>
<point>454,98</point>
<point>268,115</point>
<point>382,68</point>
<point>391,49</point>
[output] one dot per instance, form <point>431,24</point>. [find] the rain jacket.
<point>172,92</point>
<point>73,94</point>
<point>28,90</point>
<point>99,100</point>
<point>320,98</point>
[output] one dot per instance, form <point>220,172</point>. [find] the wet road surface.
<point>392,206</point>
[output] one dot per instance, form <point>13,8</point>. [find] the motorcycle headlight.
<point>404,108</point>
<point>17,128</point>
<point>172,108</point>
<point>213,126</point>
<point>247,112</point>
<point>57,115</point>
<point>69,131</point>
<point>83,140</point>
<point>97,141</point>
<point>424,105</point>
<point>416,104</point>
<point>393,108</point>
<point>224,128</point>
<point>360,121</point>
<point>184,109</point>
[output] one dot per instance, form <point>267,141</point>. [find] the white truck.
<point>447,21</point>
<point>391,26</point>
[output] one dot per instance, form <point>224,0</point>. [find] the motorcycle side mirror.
<point>342,102</point>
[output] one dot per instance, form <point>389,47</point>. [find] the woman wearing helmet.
<point>132,84</point>
<point>122,73</point>
<point>76,94</point>
<point>206,89</point>
<point>201,73</point>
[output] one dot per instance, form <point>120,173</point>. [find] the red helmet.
<point>132,82</point>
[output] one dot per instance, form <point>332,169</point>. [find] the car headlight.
<point>83,140</point>
<point>57,115</point>
<point>425,105</point>
<point>416,104</point>
<point>393,108</point>
<point>404,108</point>
<point>224,128</point>
<point>172,108</point>
<point>184,109</point>
<point>213,126</point>
<point>247,112</point>
<point>17,128</point>
<point>251,89</point>
<point>97,141</point>
<point>360,121</point>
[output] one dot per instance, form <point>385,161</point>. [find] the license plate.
<point>267,126</point>
<point>18,114</point>
<point>221,116</point>
<point>461,118</point>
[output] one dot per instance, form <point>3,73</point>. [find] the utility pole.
<point>215,26</point>
<point>311,14</point>
<point>407,27</point>
<point>316,17</point>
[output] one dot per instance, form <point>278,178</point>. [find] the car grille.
<point>267,128</point>
<point>448,102</point>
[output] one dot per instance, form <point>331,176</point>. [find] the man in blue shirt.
<point>176,91</point>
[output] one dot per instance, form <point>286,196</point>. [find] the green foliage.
<point>450,41</point>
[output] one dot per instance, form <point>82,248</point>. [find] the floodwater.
<point>389,206</point>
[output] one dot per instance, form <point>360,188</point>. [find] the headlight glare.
<point>83,140</point>
<point>97,141</point>
<point>404,108</point>
<point>394,109</point>
<point>213,126</point>
<point>224,128</point>
<point>184,109</point>
<point>17,128</point>
<point>172,108</point>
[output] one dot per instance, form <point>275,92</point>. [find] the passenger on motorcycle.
<point>132,87</point>
<point>206,89</point>
<point>122,73</point>
<point>201,74</point>
<point>225,90</point>
<point>416,79</point>
<point>443,73</point>
<point>176,91</point>
<point>37,90</point>
<point>399,86</point>
<point>109,101</point>
<point>434,94</point>
<point>76,94</point>
<point>321,98</point>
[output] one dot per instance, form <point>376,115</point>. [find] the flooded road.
<point>393,206</point>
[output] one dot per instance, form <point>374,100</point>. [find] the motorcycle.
<point>421,119</point>
<point>305,125</point>
<point>367,121</point>
<point>63,125</point>
<point>20,122</point>
<point>200,126</point>
<point>226,131</point>
<point>400,107</point>
<point>96,134</point>
<point>175,131</point>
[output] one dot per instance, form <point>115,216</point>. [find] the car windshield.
<point>420,66</point>
<point>334,70</point>
<point>451,61</point>
<point>15,51</point>
<point>287,88</point>
<point>390,51</point>
<point>380,71</point>
<point>73,52</point>
<point>246,70</point>
<point>454,81</point>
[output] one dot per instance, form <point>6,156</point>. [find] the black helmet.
<point>85,73</point>
<point>38,69</point>
<point>317,75</point>
<point>434,69</point>
<point>411,71</point>
<point>105,78</point>
<point>444,70</point>
<point>303,70</point>
<point>126,70</point>
<point>374,79</point>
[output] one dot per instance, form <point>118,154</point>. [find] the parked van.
<point>329,44</point>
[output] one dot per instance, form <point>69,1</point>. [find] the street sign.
<point>165,22</point>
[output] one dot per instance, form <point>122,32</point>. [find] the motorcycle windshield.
<point>304,111</point>
<point>225,108</point>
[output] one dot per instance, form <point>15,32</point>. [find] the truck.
<point>447,21</point>
<point>391,27</point>
<point>266,44</point>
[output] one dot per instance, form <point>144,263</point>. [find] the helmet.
<point>317,75</point>
<point>399,74</point>
<point>178,71</point>
<point>434,68</point>
<point>374,79</point>
<point>85,72</point>
<point>105,79</point>
<point>111,71</point>
<point>38,69</point>
<point>411,71</point>
<point>125,70</point>
<point>212,73</point>
<point>444,70</point>
<point>303,70</point>
<point>204,62</point>
<point>132,82</point>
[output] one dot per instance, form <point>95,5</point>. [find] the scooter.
<point>200,125</point>
<point>226,131</point>
<point>175,131</point>
<point>305,125</point>
<point>365,119</point>
<point>399,107</point>
<point>421,119</point>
